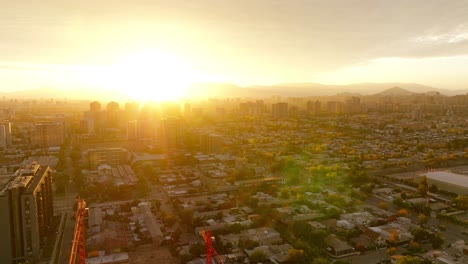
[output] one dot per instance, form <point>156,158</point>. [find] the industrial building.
<point>109,156</point>
<point>448,181</point>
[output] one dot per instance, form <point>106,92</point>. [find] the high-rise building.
<point>280,110</point>
<point>109,156</point>
<point>26,206</point>
<point>6,114</point>
<point>252,108</point>
<point>335,107</point>
<point>48,134</point>
<point>314,108</point>
<point>5,134</point>
<point>187,109</point>
<point>353,105</point>
<point>114,115</point>
<point>140,130</point>
<point>95,107</point>
<point>170,133</point>
<point>131,111</point>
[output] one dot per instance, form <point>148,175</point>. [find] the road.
<point>370,257</point>
<point>64,204</point>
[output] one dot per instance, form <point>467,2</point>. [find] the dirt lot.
<point>147,254</point>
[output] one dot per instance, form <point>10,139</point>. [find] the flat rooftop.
<point>448,177</point>
<point>16,182</point>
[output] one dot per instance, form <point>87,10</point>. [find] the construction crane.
<point>79,234</point>
<point>210,251</point>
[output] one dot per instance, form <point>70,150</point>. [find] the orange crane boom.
<point>210,251</point>
<point>79,234</point>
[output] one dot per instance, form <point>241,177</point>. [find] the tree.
<point>169,220</point>
<point>248,244</point>
<point>419,234</point>
<point>462,201</point>
<point>423,219</point>
<point>360,248</point>
<point>296,256</point>
<point>402,213</point>
<point>258,256</point>
<point>320,261</point>
<point>415,246</point>
<point>437,241</point>
<point>409,260</point>
<point>430,159</point>
<point>391,251</point>
<point>394,237</point>
<point>197,249</point>
<point>383,205</point>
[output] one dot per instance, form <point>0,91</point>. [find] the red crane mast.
<point>79,244</point>
<point>210,251</point>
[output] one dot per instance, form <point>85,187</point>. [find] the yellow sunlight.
<point>145,76</point>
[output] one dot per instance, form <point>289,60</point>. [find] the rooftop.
<point>16,182</point>
<point>115,258</point>
<point>448,177</point>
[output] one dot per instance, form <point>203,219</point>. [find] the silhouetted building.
<point>93,120</point>
<point>139,130</point>
<point>293,111</point>
<point>114,115</point>
<point>131,111</point>
<point>6,114</point>
<point>170,133</point>
<point>48,134</point>
<point>314,108</point>
<point>335,107</point>
<point>211,142</point>
<point>353,105</point>
<point>187,109</point>
<point>109,156</point>
<point>26,206</point>
<point>5,134</point>
<point>416,114</point>
<point>279,110</point>
<point>252,108</point>
<point>95,107</point>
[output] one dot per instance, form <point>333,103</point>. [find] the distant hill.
<point>396,91</point>
<point>313,89</point>
<point>223,90</point>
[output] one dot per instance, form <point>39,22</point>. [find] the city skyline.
<point>135,48</point>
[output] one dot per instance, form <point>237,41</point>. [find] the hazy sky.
<point>58,43</point>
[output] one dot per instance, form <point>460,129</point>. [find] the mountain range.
<point>223,90</point>
<point>316,89</point>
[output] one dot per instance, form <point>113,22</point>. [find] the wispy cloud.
<point>449,36</point>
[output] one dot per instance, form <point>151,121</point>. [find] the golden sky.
<point>152,43</point>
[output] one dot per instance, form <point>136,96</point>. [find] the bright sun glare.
<point>145,76</point>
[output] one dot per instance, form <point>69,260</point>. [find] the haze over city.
<point>155,49</point>
<point>225,132</point>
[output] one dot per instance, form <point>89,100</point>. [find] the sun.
<point>144,76</point>
<point>152,75</point>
